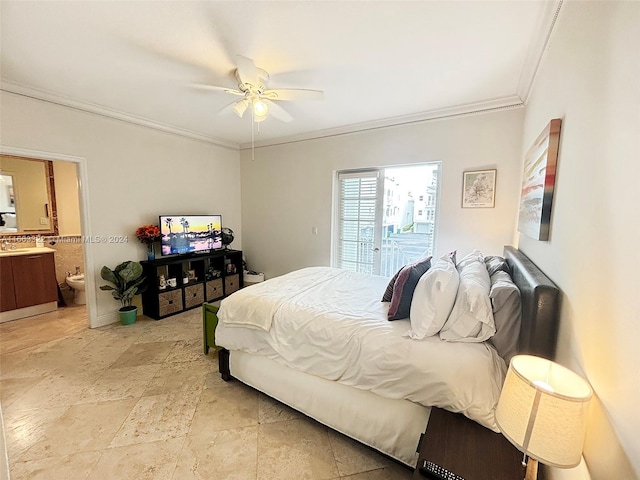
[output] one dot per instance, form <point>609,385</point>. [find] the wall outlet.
<point>314,230</point>
<point>44,221</point>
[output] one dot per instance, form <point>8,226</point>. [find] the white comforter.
<point>331,323</point>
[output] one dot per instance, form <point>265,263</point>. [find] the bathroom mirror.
<point>27,197</point>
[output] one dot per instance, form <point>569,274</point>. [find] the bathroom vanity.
<point>28,283</point>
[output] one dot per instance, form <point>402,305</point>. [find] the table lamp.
<point>542,411</point>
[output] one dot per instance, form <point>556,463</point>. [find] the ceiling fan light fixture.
<point>260,109</point>
<point>240,106</point>
<point>259,119</point>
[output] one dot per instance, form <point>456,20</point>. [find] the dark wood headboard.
<point>540,298</point>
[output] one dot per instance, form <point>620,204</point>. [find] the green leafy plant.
<point>127,281</point>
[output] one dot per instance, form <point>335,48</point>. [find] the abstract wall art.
<point>538,183</point>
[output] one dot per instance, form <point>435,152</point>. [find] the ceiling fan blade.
<point>277,111</point>
<point>246,71</point>
<point>293,94</point>
<point>202,86</point>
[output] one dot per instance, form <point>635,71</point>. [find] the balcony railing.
<point>402,249</point>
<point>397,250</point>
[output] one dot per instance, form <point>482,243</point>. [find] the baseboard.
<point>104,320</point>
<point>28,311</point>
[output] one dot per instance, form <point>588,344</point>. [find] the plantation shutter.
<point>360,221</point>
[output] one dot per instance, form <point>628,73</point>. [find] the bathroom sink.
<point>75,278</point>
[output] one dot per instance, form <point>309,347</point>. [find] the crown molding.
<point>487,106</point>
<point>544,29</point>
<point>103,111</point>
<point>513,101</point>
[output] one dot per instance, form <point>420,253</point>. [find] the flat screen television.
<point>190,233</point>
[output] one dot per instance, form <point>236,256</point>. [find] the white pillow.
<point>475,256</point>
<point>433,298</point>
<point>471,319</point>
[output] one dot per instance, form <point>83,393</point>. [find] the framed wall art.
<point>479,189</point>
<point>538,183</point>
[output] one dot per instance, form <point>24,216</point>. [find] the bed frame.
<point>393,427</point>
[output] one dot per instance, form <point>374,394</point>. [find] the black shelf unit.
<point>214,275</point>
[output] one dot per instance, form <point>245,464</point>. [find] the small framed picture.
<point>231,268</point>
<point>192,274</point>
<point>479,189</point>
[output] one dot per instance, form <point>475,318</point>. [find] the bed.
<point>370,382</point>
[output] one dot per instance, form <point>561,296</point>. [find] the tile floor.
<point>143,402</point>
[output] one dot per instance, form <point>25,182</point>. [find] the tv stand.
<point>213,276</point>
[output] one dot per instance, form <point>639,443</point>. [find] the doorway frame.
<point>85,223</point>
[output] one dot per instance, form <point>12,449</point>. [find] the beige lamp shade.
<point>542,410</point>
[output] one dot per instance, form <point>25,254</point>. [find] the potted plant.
<point>127,281</point>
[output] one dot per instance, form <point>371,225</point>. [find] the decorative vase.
<point>128,315</point>
<point>151,254</point>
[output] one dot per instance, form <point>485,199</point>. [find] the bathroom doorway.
<point>68,208</point>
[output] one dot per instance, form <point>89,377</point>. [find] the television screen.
<point>190,233</point>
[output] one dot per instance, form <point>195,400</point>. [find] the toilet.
<point>76,282</point>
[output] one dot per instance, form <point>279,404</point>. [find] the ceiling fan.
<point>252,87</point>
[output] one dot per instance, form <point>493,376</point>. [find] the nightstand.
<point>468,449</point>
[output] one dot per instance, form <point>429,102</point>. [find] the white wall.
<point>590,77</point>
<point>287,189</point>
<point>134,174</point>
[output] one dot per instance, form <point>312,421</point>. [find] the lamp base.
<point>532,469</point>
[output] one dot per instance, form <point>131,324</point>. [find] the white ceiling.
<point>378,62</point>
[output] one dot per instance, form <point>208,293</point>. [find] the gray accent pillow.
<point>507,314</point>
<point>495,264</point>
